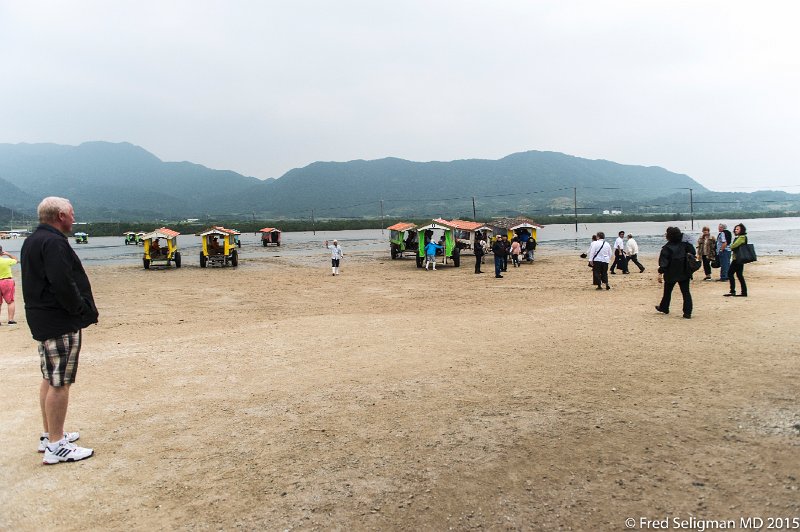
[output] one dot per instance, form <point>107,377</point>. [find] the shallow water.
<point>771,236</point>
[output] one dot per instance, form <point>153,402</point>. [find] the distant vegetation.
<point>123,184</point>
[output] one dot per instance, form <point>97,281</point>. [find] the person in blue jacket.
<point>430,253</point>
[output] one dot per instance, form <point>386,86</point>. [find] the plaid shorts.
<point>59,358</point>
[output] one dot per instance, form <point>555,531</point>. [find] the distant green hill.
<point>521,182</point>
<point>108,181</point>
<point>115,180</point>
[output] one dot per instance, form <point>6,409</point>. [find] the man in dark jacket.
<point>478,247</point>
<point>58,304</point>
<point>499,250</point>
<point>673,265</point>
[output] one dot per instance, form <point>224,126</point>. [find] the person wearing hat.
<point>336,256</point>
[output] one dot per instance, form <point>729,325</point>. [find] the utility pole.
<point>474,216</point>
<point>691,207</point>
<point>575,206</point>
<point>382,223</point>
<point>313,228</point>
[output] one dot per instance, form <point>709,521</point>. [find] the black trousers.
<point>478,263</point>
<point>621,263</point>
<point>707,266</point>
<point>498,265</point>
<point>737,270</point>
<point>635,260</point>
<point>599,273</point>
<point>667,297</point>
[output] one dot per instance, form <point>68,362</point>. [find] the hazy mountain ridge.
<point>123,181</point>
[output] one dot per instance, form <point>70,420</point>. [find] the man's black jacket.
<point>57,293</point>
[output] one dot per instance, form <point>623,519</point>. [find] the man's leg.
<point>724,264</point>
<point>11,308</point>
<point>43,387</point>
<point>55,406</point>
<point>498,265</point>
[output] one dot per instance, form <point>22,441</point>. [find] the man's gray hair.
<point>51,207</point>
<point>724,226</point>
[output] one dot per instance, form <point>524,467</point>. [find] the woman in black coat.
<point>674,266</point>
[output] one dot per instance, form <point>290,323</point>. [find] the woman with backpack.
<point>673,265</point>
<point>737,268</point>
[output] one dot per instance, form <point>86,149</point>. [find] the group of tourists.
<point>517,249</point>
<point>600,255</point>
<point>676,261</point>
<point>720,252</point>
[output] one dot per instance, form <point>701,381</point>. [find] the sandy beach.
<point>275,396</point>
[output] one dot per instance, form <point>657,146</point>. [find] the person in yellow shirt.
<point>7,260</point>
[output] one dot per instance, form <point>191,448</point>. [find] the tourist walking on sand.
<point>58,306</point>
<point>530,247</point>
<point>599,256</point>
<point>632,252</point>
<point>7,260</point>
<point>336,256</point>
<point>706,250</point>
<point>673,268</point>
<point>479,251</point>
<point>430,253</point>
<point>724,238</point>
<point>516,250</point>
<point>737,268</point>
<point>619,254</point>
<point>499,250</point>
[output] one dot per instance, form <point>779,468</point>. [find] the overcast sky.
<point>709,89</point>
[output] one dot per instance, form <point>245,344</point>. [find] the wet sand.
<point>275,396</point>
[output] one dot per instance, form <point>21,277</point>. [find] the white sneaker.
<point>69,436</point>
<point>66,452</point>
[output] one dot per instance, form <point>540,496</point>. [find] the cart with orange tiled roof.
<point>155,253</point>
<point>402,239</point>
<point>270,236</point>
<point>468,234</point>
<point>219,247</point>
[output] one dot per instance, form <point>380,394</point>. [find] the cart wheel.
<point>264,242</point>
<point>279,244</point>
<point>146,263</point>
<point>456,260</point>
<point>234,258</point>
<point>202,260</point>
<point>177,259</point>
<point>394,251</point>
<point>419,261</point>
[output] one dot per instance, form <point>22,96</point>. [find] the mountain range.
<point>121,181</point>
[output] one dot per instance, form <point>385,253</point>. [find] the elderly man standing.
<point>58,305</point>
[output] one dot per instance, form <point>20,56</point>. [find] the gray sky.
<point>706,88</point>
